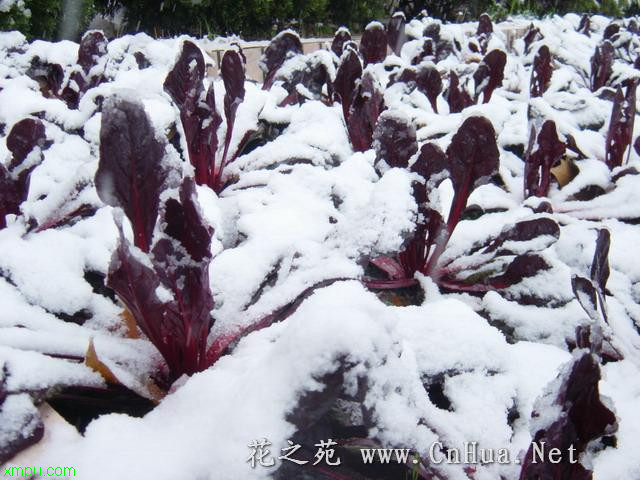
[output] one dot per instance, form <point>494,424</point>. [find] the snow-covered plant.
<point>537,163</point>
<point>470,161</point>
<point>88,72</point>
<point>25,142</point>
<point>489,74</point>
<point>619,135</point>
<point>198,114</point>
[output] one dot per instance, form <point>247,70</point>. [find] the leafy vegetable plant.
<point>26,136</point>
<point>470,161</point>
<point>198,114</point>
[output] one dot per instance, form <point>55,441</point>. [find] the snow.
<point>305,208</point>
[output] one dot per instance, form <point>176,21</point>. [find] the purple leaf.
<point>10,196</point>
<point>610,30</point>
<point>136,284</point>
<point>93,46</point>
<point>179,324</point>
<point>184,223</point>
<point>313,75</point>
<point>489,74</point>
<point>586,295</point>
<point>130,173</point>
<point>620,132</point>
<point>49,76</point>
<point>344,85</point>
<point>485,29</point>
<point>367,104</point>
<point>537,167</point>
<point>407,76</point>
<point>541,72</point>
<point>600,266</point>
<point>283,46</point>
<point>24,136</point>
<point>394,140</point>
<point>186,319</point>
<point>395,32</point>
<point>473,159</point>
<point>525,231</point>
<point>21,427</point>
<point>533,34</point>
<point>373,45</point>
<point>523,266</point>
<point>232,70</point>
<point>184,81</point>
<point>485,26</point>
<point>390,267</point>
<point>341,37</point>
<point>601,65</point>
<point>429,82</point>
<point>585,25</point>
<point>582,418</point>
<point>457,97</point>
<point>198,114</point>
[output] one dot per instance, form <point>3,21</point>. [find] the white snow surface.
<point>306,208</point>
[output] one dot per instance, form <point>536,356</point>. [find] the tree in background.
<point>40,18</point>
<point>263,18</point>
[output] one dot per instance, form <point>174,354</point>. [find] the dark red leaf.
<point>611,30</point>
<point>533,34</point>
<point>429,82</point>
<point>537,167</point>
<point>582,418</point>
<point>485,29</point>
<point>24,136</point>
<point>49,76</point>
<point>344,85</point>
<point>232,70</point>
<point>341,37</point>
<point>587,295</point>
<point>620,132</point>
<point>489,74</point>
<point>601,65</point>
<point>184,223</point>
<point>523,266</point>
<point>373,45</point>
<point>283,46</point>
<point>524,231</point>
<point>20,428</point>
<point>366,106</point>
<point>136,284</point>
<point>473,159</point>
<point>198,114</point>
<point>92,47</point>
<point>600,266</point>
<point>184,81</point>
<point>541,72</point>
<point>457,97</point>
<point>10,196</point>
<point>585,25</point>
<point>484,25</point>
<point>395,32</point>
<point>130,173</point>
<point>394,140</point>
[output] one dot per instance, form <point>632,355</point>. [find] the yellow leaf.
<point>92,361</point>
<point>564,172</point>
<point>130,323</point>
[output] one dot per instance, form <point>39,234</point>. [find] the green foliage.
<point>247,18</point>
<point>41,18</point>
